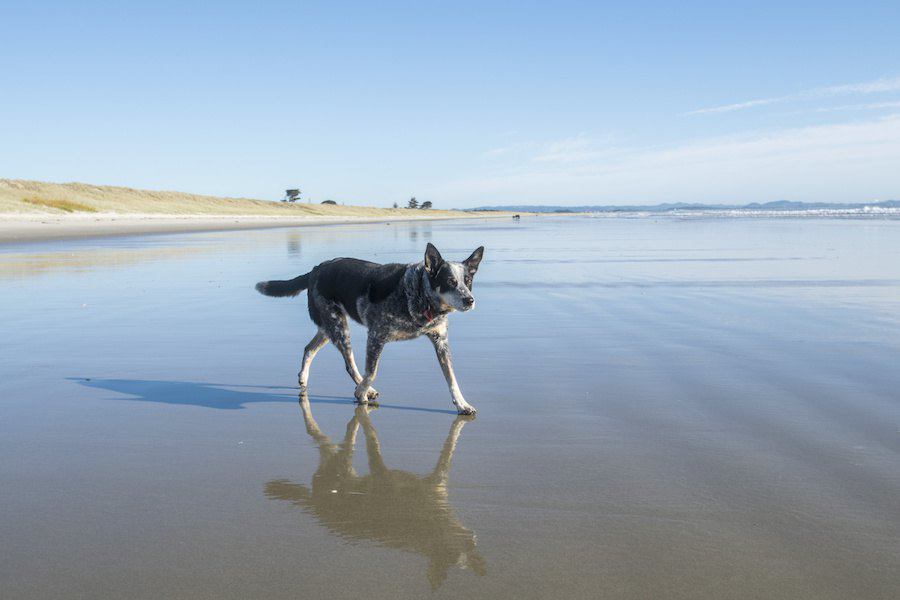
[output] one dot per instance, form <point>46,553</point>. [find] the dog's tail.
<point>279,289</point>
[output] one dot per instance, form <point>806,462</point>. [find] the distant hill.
<point>777,205</point>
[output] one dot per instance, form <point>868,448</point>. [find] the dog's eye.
<point>452,282</point>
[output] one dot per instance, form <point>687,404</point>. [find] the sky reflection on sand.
<point>680,409</point>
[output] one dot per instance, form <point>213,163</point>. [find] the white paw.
<point>465,409</point>
<point>365,395</point>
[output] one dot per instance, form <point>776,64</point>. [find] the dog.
<point>393,508</point>
<point>393,301</point>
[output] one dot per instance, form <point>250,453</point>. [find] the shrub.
<point>63,205</point>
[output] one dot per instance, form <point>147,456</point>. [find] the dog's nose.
<point>468,301</point>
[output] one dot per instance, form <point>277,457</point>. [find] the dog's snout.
<point>469,301</point>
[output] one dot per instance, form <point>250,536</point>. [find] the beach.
<point>37,210</point>
<point>667,408</point>
<point>29,228</point>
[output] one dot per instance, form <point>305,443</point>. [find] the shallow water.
<point>667,408</point>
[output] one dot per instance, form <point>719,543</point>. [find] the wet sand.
<point>30,227</point>
<point>667,409</point>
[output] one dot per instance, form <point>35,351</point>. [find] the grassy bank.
<point>22,197</point>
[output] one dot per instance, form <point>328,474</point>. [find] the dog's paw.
<point>364,395</point>
<point>466,409</point>
<point>365,409</point>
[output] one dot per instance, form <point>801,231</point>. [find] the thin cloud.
<point>868,106</point>
<point>838,162</point>
<point>868,87</point>
<point>570,150</point>
<point>737,106</point>
<point>511,149</point>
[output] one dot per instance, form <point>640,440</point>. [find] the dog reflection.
<point>397,509</point>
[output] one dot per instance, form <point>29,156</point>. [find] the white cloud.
<point>838,162</point>
<point>869,87</point>
<point>570,150</point>
<point>511,149</point>
<point>736,106</point>
<point>867,106</point>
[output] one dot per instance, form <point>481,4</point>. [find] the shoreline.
<point>19,228</point>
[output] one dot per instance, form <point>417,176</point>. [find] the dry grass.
<point>34,197</point>
<point>63,205</point>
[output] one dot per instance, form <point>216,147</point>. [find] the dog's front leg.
<point>373,448</point>
<point>374,346</point>
<point>442,470</point>
<point>442,349</point>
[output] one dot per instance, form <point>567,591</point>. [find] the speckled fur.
<point>395,302</point>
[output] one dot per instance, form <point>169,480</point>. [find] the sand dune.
<point>35,197</point>
<point>35,210</point>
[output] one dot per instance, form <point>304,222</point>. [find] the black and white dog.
<point>394,301</point>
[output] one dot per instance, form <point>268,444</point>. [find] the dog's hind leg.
<point>337,458</point>
<point>338,332</point>
<point>314,345</point>
<point>374,346</point>
<point>373,448</point>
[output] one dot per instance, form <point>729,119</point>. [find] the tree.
<point>426,205</point>
<point>413,203</point>
<point>329,202</point>
<point>395,205</point>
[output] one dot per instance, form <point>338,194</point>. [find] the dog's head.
<point>451,282</point>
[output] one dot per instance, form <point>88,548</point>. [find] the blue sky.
<point>464,104</point>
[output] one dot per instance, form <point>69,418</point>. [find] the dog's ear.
<point>473,261</point>
<point>433,259</point>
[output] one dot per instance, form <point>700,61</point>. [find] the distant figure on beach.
<point>393,508</point>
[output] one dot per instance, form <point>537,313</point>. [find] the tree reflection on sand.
<point>396,509</point>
